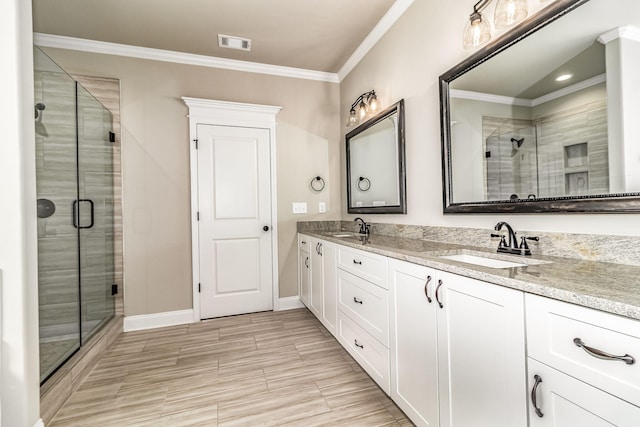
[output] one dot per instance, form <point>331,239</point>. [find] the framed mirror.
<point>376,174</point>
<point>537,120</point>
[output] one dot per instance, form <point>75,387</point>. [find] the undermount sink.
<point>342,235</point>
<point>483,261</point>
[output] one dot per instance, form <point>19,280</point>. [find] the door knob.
<point>265,228</point>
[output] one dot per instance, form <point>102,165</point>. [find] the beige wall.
<point>424,43</point>
<point>155,159</point>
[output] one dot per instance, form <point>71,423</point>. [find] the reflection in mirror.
<point>542,124</point>
<point>375,164</point>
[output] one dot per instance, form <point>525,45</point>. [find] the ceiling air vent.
<point>232,42</point>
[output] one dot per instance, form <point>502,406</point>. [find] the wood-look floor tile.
<point>273,408</point>
<point>258,359</point>
<point>260,369</point>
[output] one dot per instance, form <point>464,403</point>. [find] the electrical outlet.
<point>322,207</point>
<point>299,207</point>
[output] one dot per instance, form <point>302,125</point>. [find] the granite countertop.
<point>614,288</point>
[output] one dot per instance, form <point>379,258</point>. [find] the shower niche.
<point>75,190</point>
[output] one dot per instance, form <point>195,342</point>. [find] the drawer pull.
<point>357,262</point>
<point>629,360</point>
<point>534,395</point>
<point>357,345</point>
<point>437,296</point>
<point>306,262</point>
<point>357,301</point>
<point>426,289</point>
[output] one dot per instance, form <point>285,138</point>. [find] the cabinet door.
<point>563,401</point>
<point>414,384</point>
<point>329,286</point>
<point>317,278</point>
<point>304,271</point>
<point>481,353</point>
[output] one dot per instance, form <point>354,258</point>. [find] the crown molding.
<point>523,102</point>
<point>628,32</point>
<point>387,21</point>
<point>488,97</point>
<point>601,78</point>
<point>107,48</point>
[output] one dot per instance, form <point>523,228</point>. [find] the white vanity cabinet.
<point>481,353</point>
<point>317,278</point>
<point>453,351</point>
<point>413,341</point>
<point>457,349</point>
<point>363,311</point>
<point>584,365</point>
<point>304,268</point>
<point>324,283</point>
<point>560,400</point>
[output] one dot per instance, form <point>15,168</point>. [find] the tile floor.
<point>262,369</point>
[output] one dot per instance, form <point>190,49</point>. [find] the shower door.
<point>74,179</point>
<point>94,212</point>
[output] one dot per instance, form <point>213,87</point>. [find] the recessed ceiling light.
<point>563,77</point>
<point>232,42</point>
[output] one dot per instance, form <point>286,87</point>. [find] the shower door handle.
<point>75,213</point>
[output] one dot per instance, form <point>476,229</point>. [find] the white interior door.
<point>234,227</point>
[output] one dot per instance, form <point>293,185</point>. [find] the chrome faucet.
<point>511,246</point>
<point>364,227</point>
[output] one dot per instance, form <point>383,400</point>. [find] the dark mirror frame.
<point>606,203</point>
<point>387,209</point>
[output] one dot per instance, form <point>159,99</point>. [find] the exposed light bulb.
<point>476,31</point>
<point>362,110</point>
<point>509,12</point>
<point>352,120</point>
<point>373,102</point>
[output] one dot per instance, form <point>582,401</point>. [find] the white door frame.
<point>223,113</point>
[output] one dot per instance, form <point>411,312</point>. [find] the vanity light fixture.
<point>365,105</point>
<point>477,31</point>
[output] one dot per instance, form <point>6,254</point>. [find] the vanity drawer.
<point>371,267</point>
<point>303,243</point>
<point>365,349</point>
<point>554,328</point>
<point>365,303</point>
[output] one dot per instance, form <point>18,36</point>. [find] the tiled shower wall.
<point>539,166</point>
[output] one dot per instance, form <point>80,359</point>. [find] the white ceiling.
<point>312,35</point>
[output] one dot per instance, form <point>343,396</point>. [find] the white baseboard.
<point>157,320</point>
<point>288,303</point>
<point>39,423</point>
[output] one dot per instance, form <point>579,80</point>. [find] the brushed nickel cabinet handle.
<point>437,296</point>
<point>599,354</point>
<point>426,289</point>
<point>534,395</point>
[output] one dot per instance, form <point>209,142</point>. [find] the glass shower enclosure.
<point>74,178</point>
